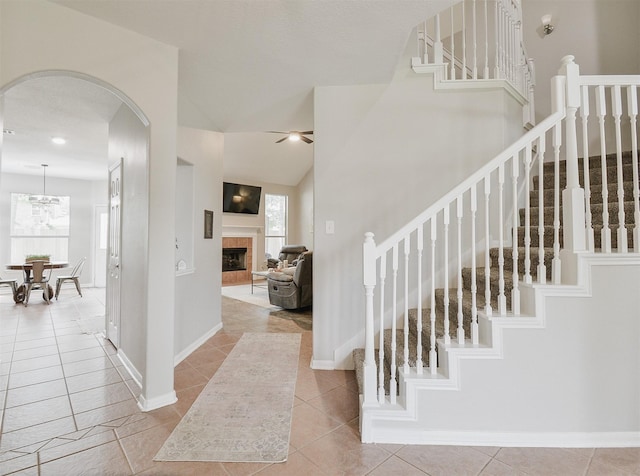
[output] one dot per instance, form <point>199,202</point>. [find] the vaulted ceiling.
<point>248,66</point>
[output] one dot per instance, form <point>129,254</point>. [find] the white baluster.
<point>447,335</point>
<point>420,246</point>
<point>438,50</point>
<point>433,356</point>
<point>452,74</point>
<point>383,275</point>
<point>459,215</point>
<point>474,71</point>
<point>486,41</point>
<point>425,59</point>
<point>464,42</point>
<point>527,215</point>
<point>496,72</point>
<point>601,111</point>
<point>407,251</point>
<point>487,239</point>
<point>369,281</point>
<point>586,164</point>
<point>542,267</point>
<point>616,110</point>
<point>515,277</point>
<point>632,108</point>
<point>502,298</point>
<point>393,383</point>
<point>474,286</point>
<point>556,263</point>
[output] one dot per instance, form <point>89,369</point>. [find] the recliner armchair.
<point>293,289</point>
<point>291,253</point>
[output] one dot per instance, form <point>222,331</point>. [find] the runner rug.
<point>244,413</point>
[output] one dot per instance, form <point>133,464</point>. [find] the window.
<point>275,235</point>
<point>39,225</point>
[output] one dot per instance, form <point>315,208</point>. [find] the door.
<point>113,255</point>
<point>100,251</point>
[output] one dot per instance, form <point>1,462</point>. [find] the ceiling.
<point>245,66</point>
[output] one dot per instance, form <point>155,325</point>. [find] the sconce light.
<point>547,27</point>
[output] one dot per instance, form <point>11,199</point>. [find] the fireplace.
<point>237,260</point>
<point>234,259</point>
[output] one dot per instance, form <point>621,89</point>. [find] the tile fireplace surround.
<point>244,276</point>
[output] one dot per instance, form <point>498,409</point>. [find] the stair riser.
<point>595,197</point>
<point>597,217</point>
<point>595,162</point>
<point>549,234</point>
<point>595,177</point>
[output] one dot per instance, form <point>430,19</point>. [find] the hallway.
<point>69,407</point>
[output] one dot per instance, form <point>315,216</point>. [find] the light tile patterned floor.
<point>68,408</point>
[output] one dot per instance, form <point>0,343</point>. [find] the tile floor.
<point>68,408</point>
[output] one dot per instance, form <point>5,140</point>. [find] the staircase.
<point>548,180</point>
<point>449,291</point>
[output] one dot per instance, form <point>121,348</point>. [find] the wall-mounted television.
<point>240,198</point>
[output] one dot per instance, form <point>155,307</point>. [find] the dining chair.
<point>38,280</point>
<point>13,283</point>
<point>74,276</point>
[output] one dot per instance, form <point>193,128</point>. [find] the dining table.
<point>26,268</point>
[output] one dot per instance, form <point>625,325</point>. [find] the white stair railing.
<point>480,40</point>
<point>498,226</point>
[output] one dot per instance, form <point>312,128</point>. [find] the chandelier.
<point>44,200</point>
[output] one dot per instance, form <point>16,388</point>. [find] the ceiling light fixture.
<point>294,137</point>
<point>44,200</point>
<point>58,140</point>
<point>547,27</point>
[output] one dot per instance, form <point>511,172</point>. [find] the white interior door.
<point>100,252</point>
<point>113,255</point>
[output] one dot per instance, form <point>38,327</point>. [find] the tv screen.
<point>239,198</point>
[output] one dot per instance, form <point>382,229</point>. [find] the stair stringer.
<point>403,423</point>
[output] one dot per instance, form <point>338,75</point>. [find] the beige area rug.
<point>244,413</point>
<point>242,292</point>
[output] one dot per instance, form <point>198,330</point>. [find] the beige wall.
<point>38,36</point>
<point>603,35</point>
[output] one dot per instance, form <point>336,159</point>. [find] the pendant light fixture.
<point>44,200</point>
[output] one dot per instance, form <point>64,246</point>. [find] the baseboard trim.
<point>157,402</point>
<point>191,348</point>
<point>129,367</point>
<point>629,439</point>
<point>323,364</point>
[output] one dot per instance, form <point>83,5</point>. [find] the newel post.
<point>573,206</point>
<point>369,365</point>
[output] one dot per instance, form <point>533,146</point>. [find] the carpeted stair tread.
<point>466,308</point>
<point>595,161</point>
<point>597,210</point>
<point>595,196</point>
<point>595,176</point>
<point>549,233</point>
<point>358,360</point>
<point>494,253</point>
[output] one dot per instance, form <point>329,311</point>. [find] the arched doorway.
<point>101,125</point>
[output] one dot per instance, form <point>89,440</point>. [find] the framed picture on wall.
<point>208,224</point>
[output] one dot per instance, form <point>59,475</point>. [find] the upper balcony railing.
<point>480,40</point>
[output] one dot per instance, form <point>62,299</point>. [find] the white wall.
<point>304,221</point>
<point>146,72</point>
<point>84,194</point>
<point>198,301</point>
<point>603,36</point>
<point>235,221</point>
<point>384,153</point>
<point>128,139</point>
<point>581,375</point>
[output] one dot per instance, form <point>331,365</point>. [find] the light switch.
<point>330,227</point>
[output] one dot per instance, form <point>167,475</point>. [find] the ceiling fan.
<point>294,136</point>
